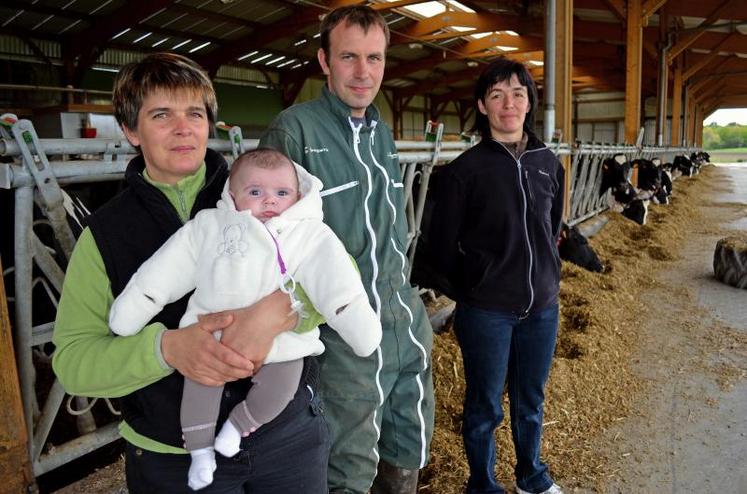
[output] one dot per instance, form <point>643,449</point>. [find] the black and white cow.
<point>683,165</point>
<point>699,159</point>
<point>574,247</point>
<point>623,196</point>
<point>653,178</point>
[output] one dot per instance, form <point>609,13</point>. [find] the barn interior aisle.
<point>688,434</point>
<point>648,390</point>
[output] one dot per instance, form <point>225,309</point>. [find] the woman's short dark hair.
<point>499,70</point>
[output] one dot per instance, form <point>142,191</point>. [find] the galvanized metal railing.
<point>35,177</point>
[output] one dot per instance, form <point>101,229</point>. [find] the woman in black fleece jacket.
<point>497,218</point>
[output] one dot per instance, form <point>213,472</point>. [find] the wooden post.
<point>633,71</point>
<point>698,137</point>
<point>15,466</point>
<point>677,104</point>
<point>693,108</point>
<point>564,84</point>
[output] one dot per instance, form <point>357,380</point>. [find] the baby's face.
<point>266,193</point>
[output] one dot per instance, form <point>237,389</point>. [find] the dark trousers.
<point>499,347</point>
<point>288,454</point>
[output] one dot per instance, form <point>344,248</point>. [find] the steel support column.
<point>549,66</point>
<point>564,84</point>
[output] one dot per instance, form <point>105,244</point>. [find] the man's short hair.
<point>267,158</point>
<point>359,15</point>
<point>159,71</point>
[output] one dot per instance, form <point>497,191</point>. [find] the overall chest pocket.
<point>343,205</point>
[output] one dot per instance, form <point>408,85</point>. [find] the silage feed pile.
<point>592,386</point>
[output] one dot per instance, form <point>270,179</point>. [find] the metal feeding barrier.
<point>36,179</point>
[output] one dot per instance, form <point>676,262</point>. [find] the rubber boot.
<point>394,480</point>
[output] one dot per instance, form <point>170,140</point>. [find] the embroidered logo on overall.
<point>309,149</point>
<point>234,241</point>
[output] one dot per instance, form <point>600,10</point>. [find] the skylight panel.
<point>427,9</point>
<point>460,6</point>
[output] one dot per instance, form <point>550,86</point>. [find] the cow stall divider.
<point>41,166</point>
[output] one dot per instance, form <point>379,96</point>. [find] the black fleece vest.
<point>128,230</point>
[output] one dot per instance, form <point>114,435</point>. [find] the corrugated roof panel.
<point>242,74</point>
<point>13,45</point>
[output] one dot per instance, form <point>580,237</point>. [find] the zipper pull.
<point>529,186</point>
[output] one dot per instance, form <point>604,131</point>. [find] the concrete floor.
<point>690,435</point>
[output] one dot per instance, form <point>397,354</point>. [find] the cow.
<point>699,159</point>
<point>684,165</point>
<point>623,196</point>
<point>574,247</point>
<point>637,211</point>
<point>653,177</point>
<point>649,175</point>
<point>615,172</point>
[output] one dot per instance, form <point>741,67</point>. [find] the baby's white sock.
<point>202,468</point>
<point>228,440</point>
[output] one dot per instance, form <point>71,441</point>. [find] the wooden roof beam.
<point>81,50</point>
<point>617,7</point>
<point>649,7</point>
<point>259,38</point>
<point>701,64</point>
<point>690,38</point>
<point>482,22</point>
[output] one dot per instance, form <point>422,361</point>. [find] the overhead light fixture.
<point>248,55</point>
<point>197,48</point>
<point>179,45</point>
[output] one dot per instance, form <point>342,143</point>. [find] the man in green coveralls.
<point>380,410</point>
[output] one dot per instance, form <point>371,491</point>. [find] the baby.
<point>266,233</point>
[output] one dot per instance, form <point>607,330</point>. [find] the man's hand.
<point>254,328</point>
<point>196,354</point>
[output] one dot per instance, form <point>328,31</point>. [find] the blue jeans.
<point>496,347</point>
<point>288,454</point>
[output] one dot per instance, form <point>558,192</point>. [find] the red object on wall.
<point>88,132</point>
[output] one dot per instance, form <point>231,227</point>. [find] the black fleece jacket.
<point>495,226</point>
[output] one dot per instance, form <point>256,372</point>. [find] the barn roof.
<point>437,48</point>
